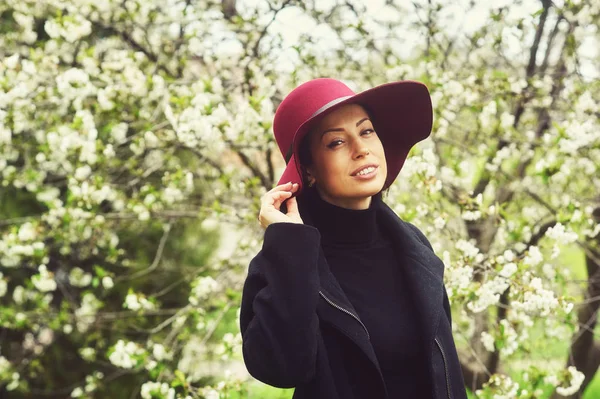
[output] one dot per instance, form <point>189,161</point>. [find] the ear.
<point>309,173</point>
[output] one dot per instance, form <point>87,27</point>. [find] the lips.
<point>364,167</point>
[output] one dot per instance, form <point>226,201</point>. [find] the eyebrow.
<point>339,129</point>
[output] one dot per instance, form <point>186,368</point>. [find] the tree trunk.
<point>479,364</point>
<point>228,8</point>
<point>585,352</point>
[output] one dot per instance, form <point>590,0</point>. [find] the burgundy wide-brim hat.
<point>401,113</point>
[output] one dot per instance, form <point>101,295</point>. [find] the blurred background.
<point>136,141</point>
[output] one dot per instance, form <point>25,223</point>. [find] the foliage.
<point>131,131</point>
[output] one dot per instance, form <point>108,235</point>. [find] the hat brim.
<point>402,115</point>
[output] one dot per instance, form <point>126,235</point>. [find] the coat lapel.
<point>422,268</point>
<point>342,321</point>
<point>330,288</point>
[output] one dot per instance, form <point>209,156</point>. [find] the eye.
<point>369,131</point>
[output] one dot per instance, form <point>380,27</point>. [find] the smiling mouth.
<point>366,171</point>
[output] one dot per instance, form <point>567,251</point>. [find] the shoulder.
<point>418,233</point>
<point>392,217</point>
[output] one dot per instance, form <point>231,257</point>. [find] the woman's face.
<point>341,143</point>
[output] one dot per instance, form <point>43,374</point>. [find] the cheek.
<point>382,158</point>
<point>336,167</point>
<point>330,166</point>
<point>381,151</point>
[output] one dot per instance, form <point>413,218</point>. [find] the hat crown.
<point>302,103</point>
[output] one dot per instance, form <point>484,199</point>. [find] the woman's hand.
<point>271,202</point>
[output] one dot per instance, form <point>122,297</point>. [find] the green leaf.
<point>100,272</point>
<point>537,13</point>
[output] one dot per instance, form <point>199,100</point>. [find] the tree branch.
<point>157,258</point>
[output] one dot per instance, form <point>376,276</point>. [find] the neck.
<point>348,203</point>
<point>342,226</point>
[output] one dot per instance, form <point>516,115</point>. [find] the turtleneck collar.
<point>341,226</point>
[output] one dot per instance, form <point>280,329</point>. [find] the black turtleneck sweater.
<point>362,258</point>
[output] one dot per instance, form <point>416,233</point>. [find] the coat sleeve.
<point>425,241</point>
<point>278,318</point>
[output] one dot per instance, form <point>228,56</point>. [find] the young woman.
<point>346,300</point>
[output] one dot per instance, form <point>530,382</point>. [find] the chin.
<point>368,190</point>
<point>354,189</point>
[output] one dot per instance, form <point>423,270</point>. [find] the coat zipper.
<point>345,311</point>
<point>445,366</point>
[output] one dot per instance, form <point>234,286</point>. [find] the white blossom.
<point>488,341</point>
<point>124,353</point>
<point>136,302</point>
<point>172,194</point>
<point>549,271</point>
<point>150,365</point>
<point>471,215</point>
<point>537,299</point>
<point>508,270</point>
<point>202,287</point>
<point>560,234</point>
<point>576,379</point>
<point>79,278</point>
<point>87,353</point>
<point>486,114</point>
<point>44,281</point>
<point>468,249</point>
<point>534,257</point>
<point>568,307</point>
<point>152,387</point>
<point>488,294</point>
<point>551,379</point>
<point>510,337</point>
<point>86,313</point>
<point>458,279</point>
<point>212,394</point>
<point>504,387</point>
<point>83,172</point>
<point>3,285</point>
<point>15,377</point>
<point>4,365</point>
<point>27,232</point>
<point>71,28</point>
<point>119,132</point>
<point>107,282</point>
<point>439,222</point>
<point>46,336</point>
<point>159,352</point>
<point>12,61</point>
<point>19,294</point>
<point>577,216</point>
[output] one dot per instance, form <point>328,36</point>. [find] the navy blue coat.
<point>300,330</point>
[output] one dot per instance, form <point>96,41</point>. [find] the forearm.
<point>278,317</point>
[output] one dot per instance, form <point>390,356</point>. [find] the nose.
<point>364,151</point>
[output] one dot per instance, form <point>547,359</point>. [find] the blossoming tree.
<point>130,129</point>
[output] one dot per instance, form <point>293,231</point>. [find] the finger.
<point>281,187</point>
<point>280,198</point>
<point>271,198</point>
<point>292,206</point>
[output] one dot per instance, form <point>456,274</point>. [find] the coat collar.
<point>424,274</point>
